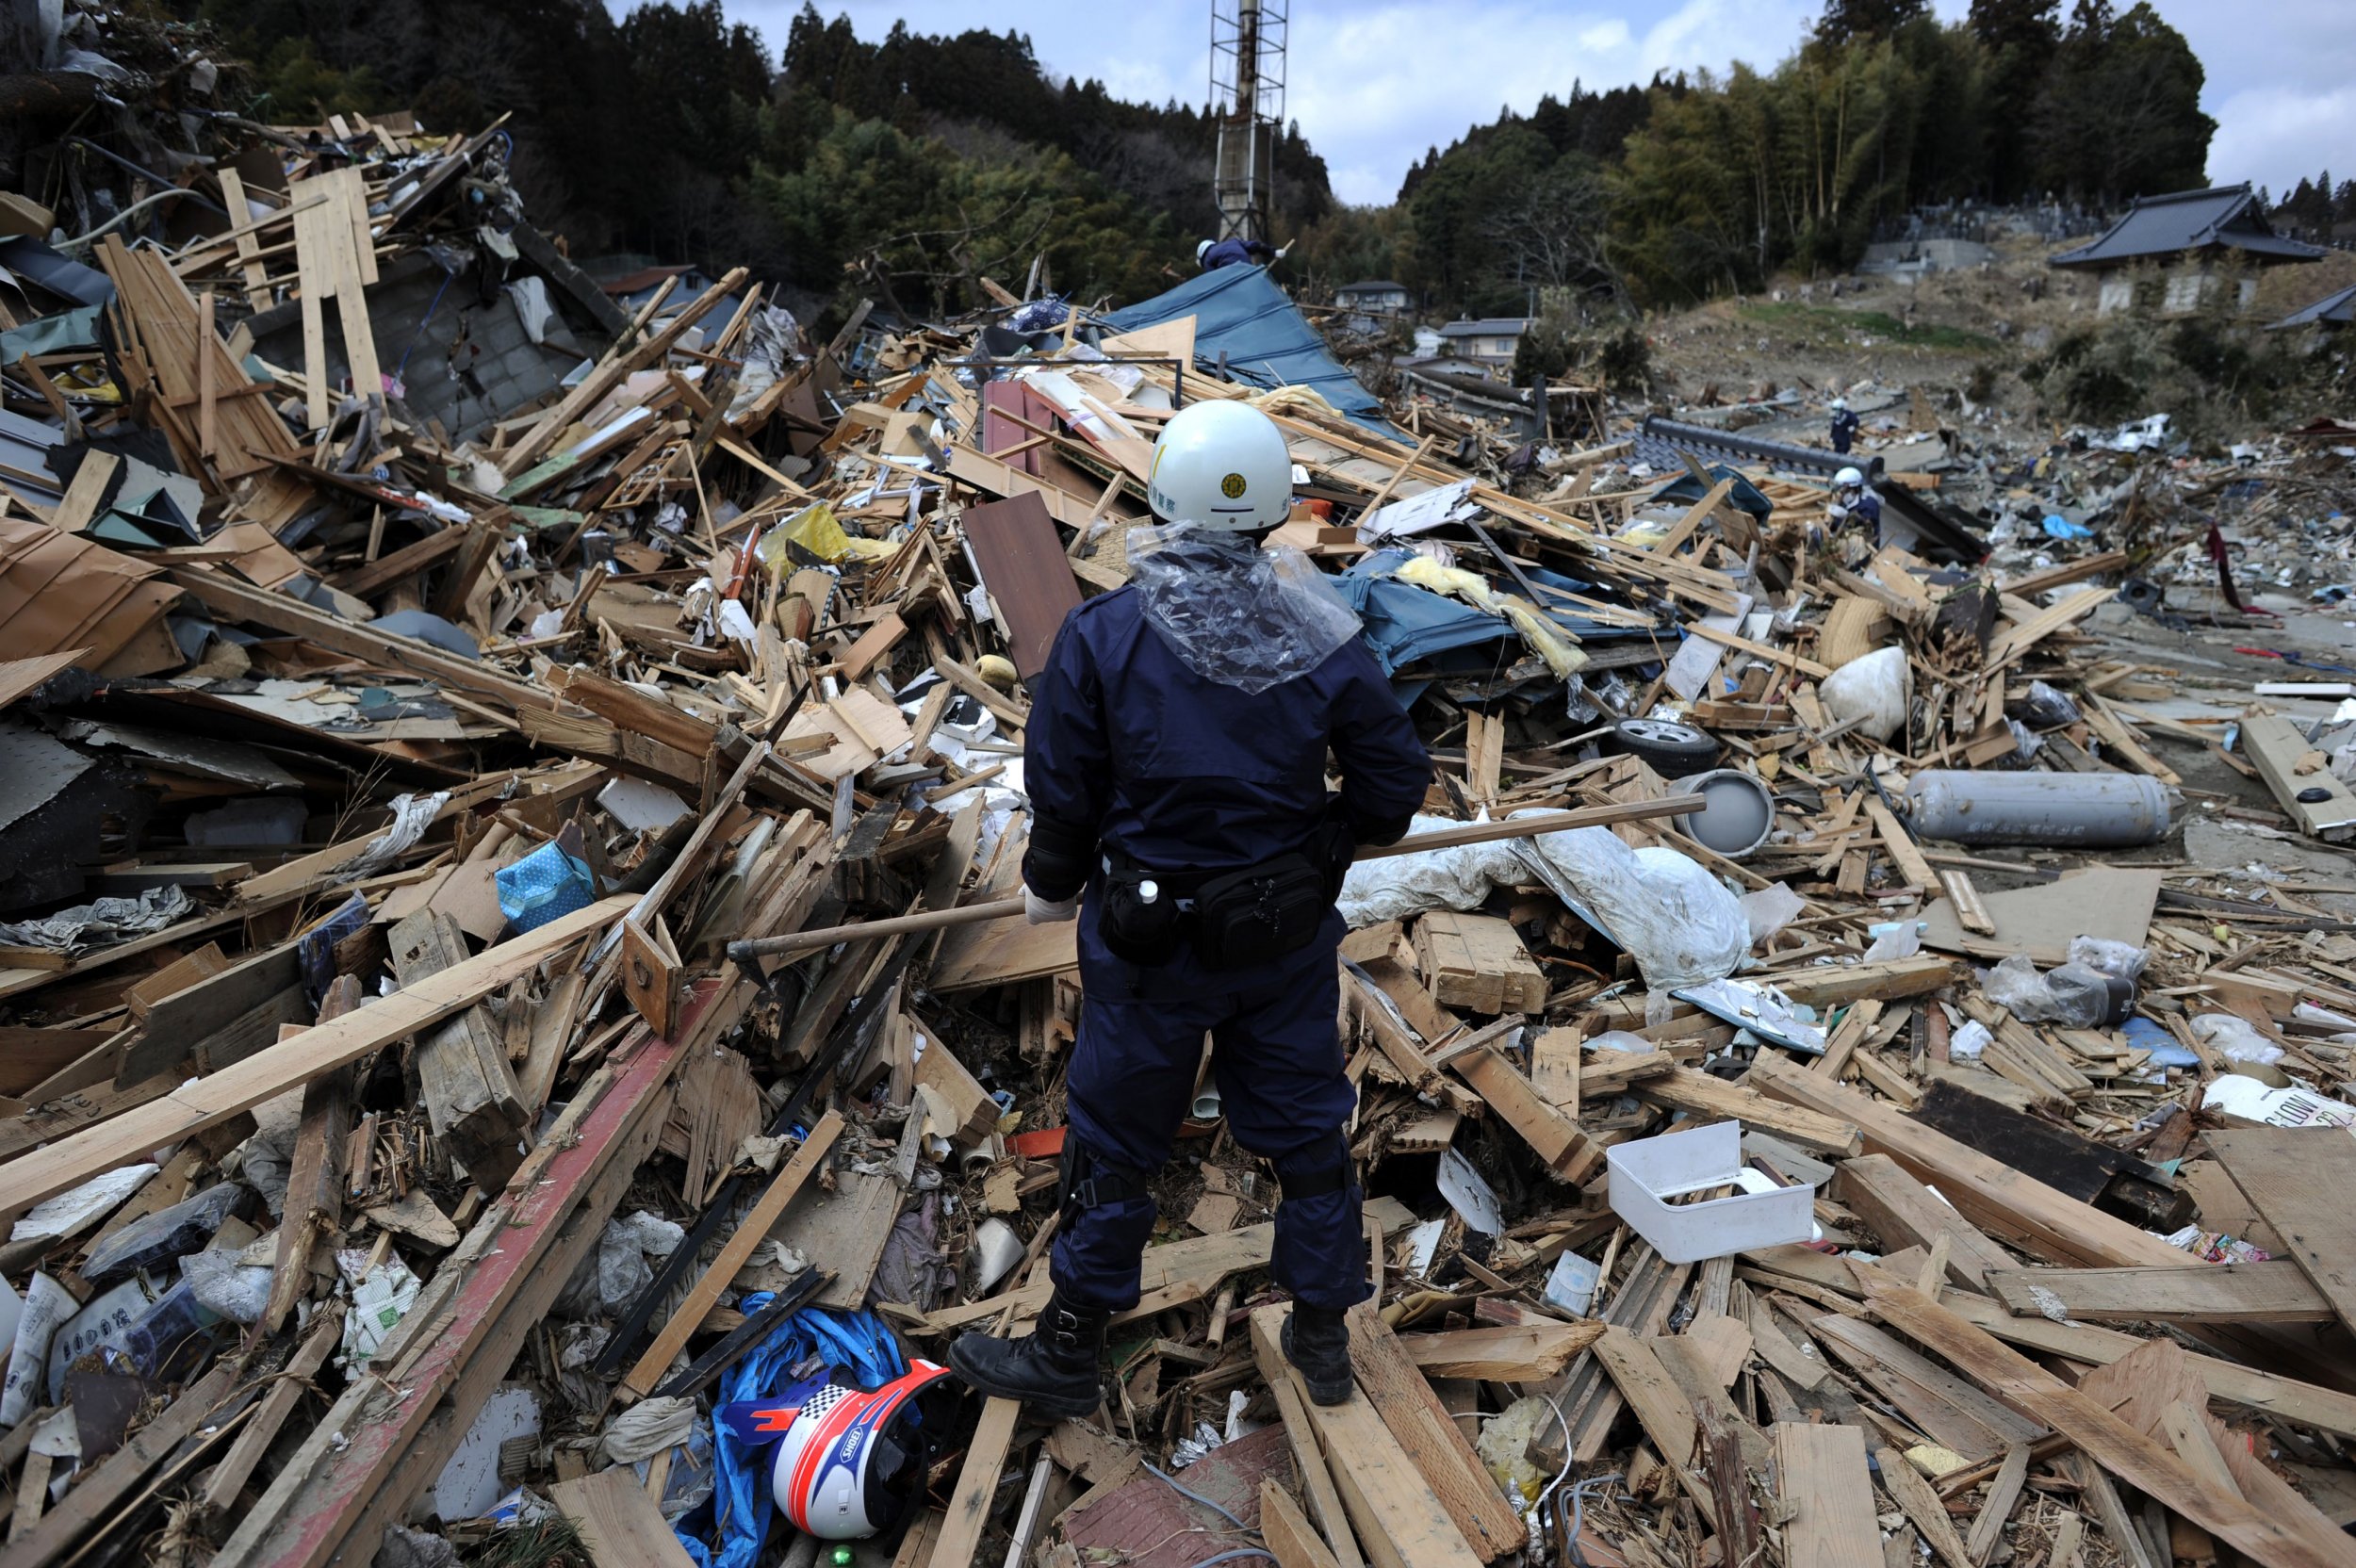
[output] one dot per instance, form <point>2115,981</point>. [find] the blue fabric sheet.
<point>732,1532</point>
<point>1241,313</point>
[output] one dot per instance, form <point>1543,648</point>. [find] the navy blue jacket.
<point>1843,429</point>
<point>1128,746</point>
<point>1230,253</point>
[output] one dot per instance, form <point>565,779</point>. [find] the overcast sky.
<point>1375,82</point>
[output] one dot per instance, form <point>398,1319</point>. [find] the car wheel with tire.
<point>1670,749</point>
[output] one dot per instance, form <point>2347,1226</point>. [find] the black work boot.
<point>1316,1342</point>
<point>1053,1369</point>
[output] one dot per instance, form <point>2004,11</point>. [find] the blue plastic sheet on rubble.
<point>1240,314</point>
<point>1404,624</point>
<point>742,1505</point>
<point>543,885</point>
<point>1745,496</point>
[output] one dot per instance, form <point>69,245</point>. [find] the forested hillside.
<point>910,166</point>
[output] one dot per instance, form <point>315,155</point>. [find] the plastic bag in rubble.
<point>2073,996</point>
<point>1401,884</point>
<point>2044,706</point>
<point>2119,961</point>
<point>239,1291</point>
<point>1875,689</point>
<point>619,1274</point>
<point>1662,908</point>
<point>2236,1039</point>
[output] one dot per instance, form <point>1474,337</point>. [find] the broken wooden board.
<point>208,1102</point>
<point>1821,1475</point>
<point>2135,1458</point>
<point>2277,1291</point>
<point>619,1525</point>
<point>2112,903</point>
<point>1430,1439</point>
<point>1476,963</point>
<point>1528,1353</point>
<point>1401,1523</point>
<point>2282,757</point>
<point>1027,574</point>
<point>2302,1182</point>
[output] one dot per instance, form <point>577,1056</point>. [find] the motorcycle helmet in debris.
<point>851,1463</point>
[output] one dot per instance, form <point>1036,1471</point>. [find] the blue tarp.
<point>738,1517</point>
<point>1239,312</point>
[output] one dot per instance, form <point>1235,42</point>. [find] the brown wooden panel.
<point>1024,567</point>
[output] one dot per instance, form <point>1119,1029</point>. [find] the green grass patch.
<point>1829,320</point>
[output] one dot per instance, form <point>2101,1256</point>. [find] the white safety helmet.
<point>1840,405</point>
<point>1201,250</point>
<point>1848,478</point>
<point>1221,465</point>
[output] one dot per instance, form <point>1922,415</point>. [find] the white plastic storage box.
<point>1646,1175</point>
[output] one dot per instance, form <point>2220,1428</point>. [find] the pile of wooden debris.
<point>394,738</point>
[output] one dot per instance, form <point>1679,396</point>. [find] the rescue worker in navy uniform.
<point>1844,425</point>
<point>1175,760</point>
<point>1236,251</point>
<point>1855,509</point>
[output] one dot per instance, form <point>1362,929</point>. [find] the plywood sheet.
<point>1024,567</point>
<point>2102,901</point>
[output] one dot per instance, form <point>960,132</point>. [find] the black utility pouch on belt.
<point>1261,912</point>
<point>1140,923</point>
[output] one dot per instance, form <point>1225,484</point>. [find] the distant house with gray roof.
<point>2189,237</point>
<point>1490,341</point>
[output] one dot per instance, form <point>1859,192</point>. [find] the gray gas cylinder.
<point>2084,811</point>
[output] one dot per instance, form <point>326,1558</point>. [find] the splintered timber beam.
<point>211,1101</point>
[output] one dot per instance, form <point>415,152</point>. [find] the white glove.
<point>1836,512</point>
<point>1048,911</point>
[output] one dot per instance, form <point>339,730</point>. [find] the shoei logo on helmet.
<point>1232,486</point>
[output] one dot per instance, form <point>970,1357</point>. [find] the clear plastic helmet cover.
<point>1233,613</point>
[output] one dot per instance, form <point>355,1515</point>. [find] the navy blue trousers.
<point>1277,1057</point>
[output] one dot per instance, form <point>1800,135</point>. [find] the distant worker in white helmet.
<point>1238,252</point>
<point>1855,509</point>
<point>1843,426</point>
<point>1175,756</point>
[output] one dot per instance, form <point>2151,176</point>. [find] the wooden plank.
<point>2286,1398</point>
<point>1203,1259</point>
<point>314,1207</point>
<point>1400,1520</point>
<point>390,1434</point>
<point>1287,1531</point>
<point>1659,1405</point>
<point>105,1488</point>
<point>463,1076</point>
<point>1900,848</point>
<point>749,1233</point>
<point>1911,1493</point>
<point>226,1482</point>
<point>1527,1352</point>
<point>2300,1185</point>
<point>1568,1153</point>
<point>1820,1476</point>
<point>978,1484</point>
<point>1690,1089</point>
<point>1316,1478</point>
<point>1430,1438</point>
<point>1903,1213</point>
<point>2003,1493</point>
<point>1027,572</point>
<point>1757,650</point>
<point>2272,1291</point>
<point>2014,641</point>
<point>1997,1198</point>
<point>619,1525</point>
<point>610,374</point>
<point>1554,1070</point>
<point>2135,1458</point>
<point>2277,749</point>
<point>212,1100</point>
